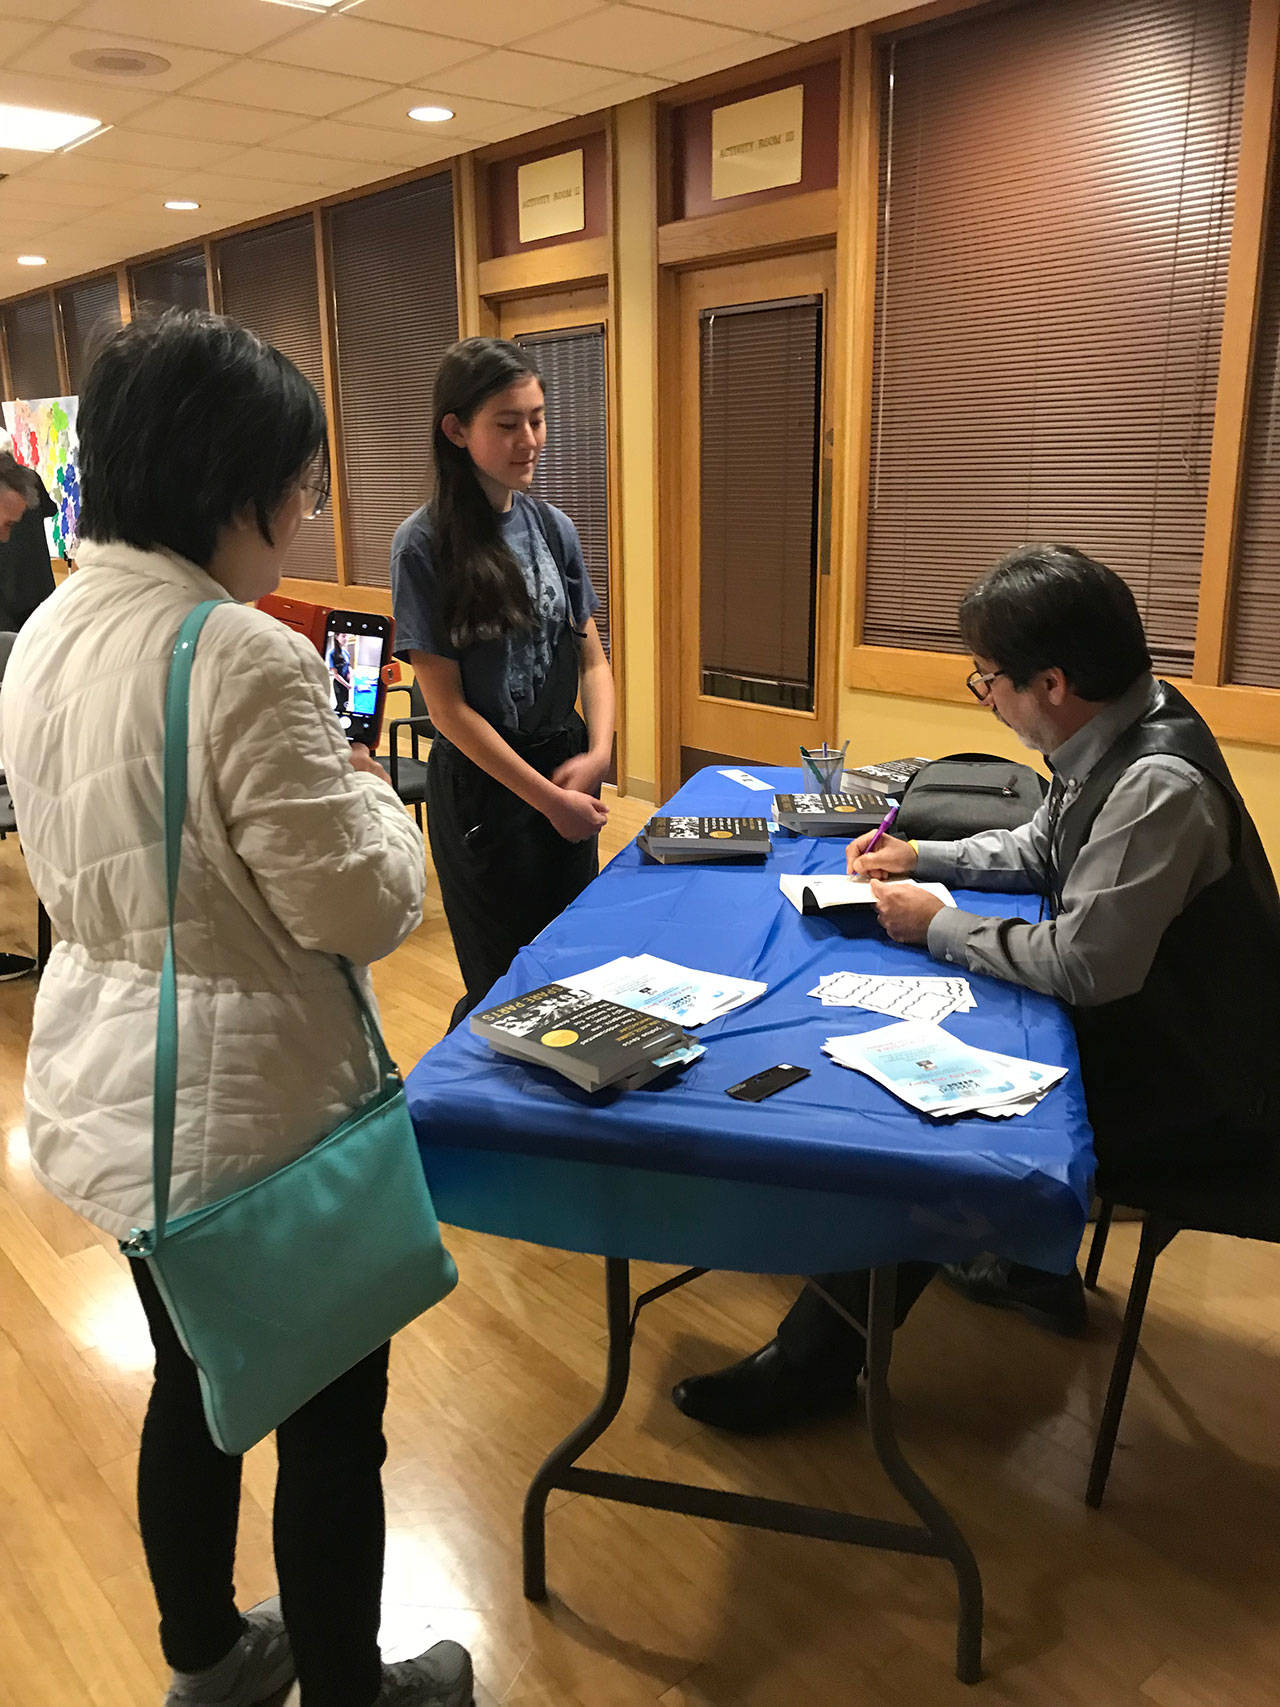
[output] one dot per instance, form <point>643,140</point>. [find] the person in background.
<point>202,457</point>
<point>26,574</point>
<point>493,613</point>
<point>1162,937</point>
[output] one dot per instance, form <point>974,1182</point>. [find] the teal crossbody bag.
<point>280,1288</point>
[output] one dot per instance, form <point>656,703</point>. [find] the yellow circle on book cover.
<point>720,835</point>
<point>559,1039</point>
<point>844,808</point>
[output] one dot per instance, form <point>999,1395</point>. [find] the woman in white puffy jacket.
<point>202,453</point>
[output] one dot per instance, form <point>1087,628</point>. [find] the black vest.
<point>1195,1053</point>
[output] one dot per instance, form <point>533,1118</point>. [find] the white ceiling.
<point>265,106</point>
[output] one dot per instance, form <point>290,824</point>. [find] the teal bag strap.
<point>176,706</point>
<point>176,703</point>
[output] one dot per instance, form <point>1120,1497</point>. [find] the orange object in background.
<point>303,618</point>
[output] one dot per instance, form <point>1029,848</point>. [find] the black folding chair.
<point>1244,1204</point>
<point>408,772</point>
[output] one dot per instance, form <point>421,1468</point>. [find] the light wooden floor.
<point>1168,1596</point>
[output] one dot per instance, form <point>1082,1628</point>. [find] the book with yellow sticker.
<point>594,1043</point>
<point>685,841</point>
<point>828,814</point>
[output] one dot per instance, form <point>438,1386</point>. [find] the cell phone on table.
<point>762,1085</point>
<point>357,654</point>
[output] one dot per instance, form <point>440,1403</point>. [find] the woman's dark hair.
<point>483,592</point>
<point>1050,605</point>
<point>185,419</point>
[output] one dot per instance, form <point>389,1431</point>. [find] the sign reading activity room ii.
<point>756,144</point>
<point>550,195</point>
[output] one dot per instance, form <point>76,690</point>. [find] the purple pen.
<point>886,823</point>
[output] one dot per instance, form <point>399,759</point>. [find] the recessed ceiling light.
<point>182,207</point>
<point>40,132</point>
<point>431,115</point>
<point>32,261</point>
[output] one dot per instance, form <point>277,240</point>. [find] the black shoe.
<point>764,1392</point>
<point>15,966</point>
<point>1054,1301</point>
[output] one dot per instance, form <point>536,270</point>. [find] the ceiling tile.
<point>15,34</point>
<point>108,102</point>
<point>142,148</point>
<point>31,190</point>
<point>316,172</point>
<point>614,94</point>
<point>112,177</point>
<point>625,39</point>
<point>214,121</point>
<point>285,88</point>
<point>495,22</point>
<point>706,64</point>
<point>230,26</point>
<point>772,17</point>
<point>51,57</point>
<point>220,185</point>
<point>361,49</point>
<point>835,18</point>
<point>357,142</point>
<point>526,77</point>
<point>472,117</point>
<point>48,10</point>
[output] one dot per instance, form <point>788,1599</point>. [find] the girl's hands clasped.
<point>575,815</point>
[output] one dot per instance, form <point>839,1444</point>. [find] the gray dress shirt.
<point>1162,835</point>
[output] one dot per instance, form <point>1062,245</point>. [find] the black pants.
<point>811,1333</point>
<point>504,870</point>
<point>329,1526</point>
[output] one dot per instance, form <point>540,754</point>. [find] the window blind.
<point>90,311</point>
<point>760,376</point>
<point>396,300</point>
<point>573,471</point>
<point>33,356</point>
<point>174,281</point>
<point>268,281</point>
<point>1056,186</point>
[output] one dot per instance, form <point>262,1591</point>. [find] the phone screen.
<point>357,646</point>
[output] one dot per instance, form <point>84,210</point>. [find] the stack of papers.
<point>928,999</point>
<point>938,1074</point>
<point>670,992</point>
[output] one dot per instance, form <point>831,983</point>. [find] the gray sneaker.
<point>439,1678</point>
<point>258,1667</point>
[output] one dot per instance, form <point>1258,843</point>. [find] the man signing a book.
<point>1157,890</point>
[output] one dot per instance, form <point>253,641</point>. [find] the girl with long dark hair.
<point>493,612</point>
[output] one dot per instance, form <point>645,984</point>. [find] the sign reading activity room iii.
<point>550,194</point>
<point>756,144</point>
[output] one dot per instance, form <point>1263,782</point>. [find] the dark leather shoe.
<point>765,1392</point>
<point>1054,1301</point>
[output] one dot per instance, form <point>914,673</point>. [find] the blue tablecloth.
<point>833,1172</point>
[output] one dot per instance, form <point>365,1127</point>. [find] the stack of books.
<point>890,776</point>
<point>685,841</point>
<point>593,1043</point>
<point>828,814</point>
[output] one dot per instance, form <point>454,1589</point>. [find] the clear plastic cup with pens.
<point>825,765</point>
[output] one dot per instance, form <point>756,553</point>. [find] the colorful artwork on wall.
<point>44,438</point>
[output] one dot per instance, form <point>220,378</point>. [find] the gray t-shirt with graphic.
<point>500,678</point>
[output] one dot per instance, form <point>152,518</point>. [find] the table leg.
<point>617,1282</point>
<point>936,1536</point>
<point>937,1520</point>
